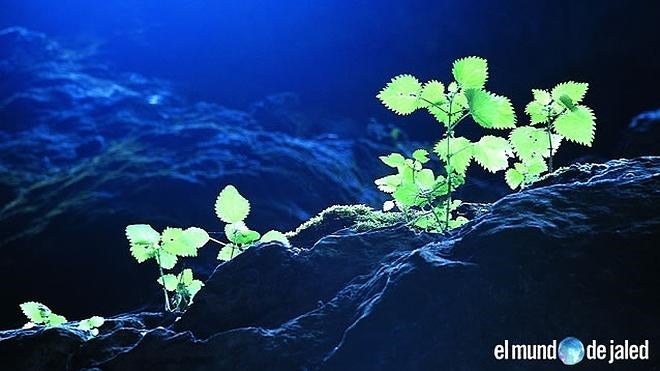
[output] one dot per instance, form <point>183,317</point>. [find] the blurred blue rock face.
<point>77,135</point>
<point>85,150</point>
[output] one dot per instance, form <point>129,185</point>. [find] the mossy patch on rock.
<point>357,217</point>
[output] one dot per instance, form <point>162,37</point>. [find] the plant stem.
<point>216,241</point>
<point>449,135</point>
<point>433,104</point>
<point>429,199</point>
<point>162,280</point>
<point>547,127</point>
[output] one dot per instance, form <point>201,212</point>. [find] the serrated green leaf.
<point>240,234</point>
<point>194,287</point>
<point>529,142</point>
<point>407,194</point>
<point>421,155</point>
<point>514,178</point>
<point>166,260</point>
<point>228,252</point>
<point>574,90</point>
<point>185,277</point>
<point>460,151</point>
<point>388,183</point>
<point>181,242</point>
<point>459,103</point>
<point>492,153</point>
<point>35,312</point>
<point>143,240</point>
<point>440,114</point>
<point>433,94</point>
<point>91,323</point>
<point>471,72</point>
<point>534,168</point>
<point>457,222</point>
<point>425,179</point>
<point>393,159</point>
<point>577,126</point>
<point>170,282</point>
<point>231,206</point>
<point>196,237</point>
<point>401,95</point>
<point>541,96</point>
<point>567,102</point>
<point>56,320</point>
<point>452,87</point>
<point>275,236</point>
<point>536,112</point>
<point>490,110</point>
<point>427,222</point>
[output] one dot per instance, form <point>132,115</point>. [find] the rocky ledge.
<point>574,255</point>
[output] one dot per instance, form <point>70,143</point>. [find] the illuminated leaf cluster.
<point>232,208</point>
<point>419,190</point>
<point>554,116</point>
<point>167,247</point>
<point>39,314</point>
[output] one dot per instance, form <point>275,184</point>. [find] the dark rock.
<point>642,137</point>
<point>576,255</point>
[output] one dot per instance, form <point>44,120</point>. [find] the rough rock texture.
<point>576,256</point>
<point>86,150</point>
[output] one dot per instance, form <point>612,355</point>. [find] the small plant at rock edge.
<point>462,98</point>
<point>554,116</point>
<point>39,314</point>
<point>168,247</point>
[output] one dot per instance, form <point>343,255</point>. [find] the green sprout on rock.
<point>417,191</point>
<point>427,199</point>
<point>554,116</point>
<point>232,208</point>
<point>184,287</point>
<point>39,314</point>
<point>168,247</point>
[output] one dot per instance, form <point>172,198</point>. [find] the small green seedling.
<point>173,243</point>
<point>40,315</point>
<point>418,192</point>
<point>554,116</point>
<point>232,208</point>
<point>184,287</point>
<point>92,324</point>
<point>464,97</point>
<point>166,248</point>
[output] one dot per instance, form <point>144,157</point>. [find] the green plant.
<point>173,243</point>
<point>40,315</point>
<point>554,115</point>
<point>166,248</point>
<point>184,287</point>
<point>92,324</point>
<point>232,208</point>
<point>426,198</point>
